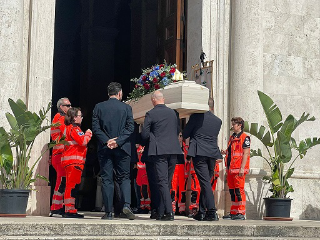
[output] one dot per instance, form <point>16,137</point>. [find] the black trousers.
<point>204,167</point>
<point>155,195</point>
<point>115,163</point>
<point>164,166</point>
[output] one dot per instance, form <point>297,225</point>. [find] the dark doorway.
<point>100,41</point>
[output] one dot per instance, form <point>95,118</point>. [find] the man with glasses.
<point>57,132</point>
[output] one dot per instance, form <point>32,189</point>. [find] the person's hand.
<point>218,160</point>
<point>223,152</point>
<point>88,133</point>
<point>112,143</point>
<point>241,172</point>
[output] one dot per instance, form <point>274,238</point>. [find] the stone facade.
<point>267,45</point>
<point>274,47</point>
<point>26,45</point>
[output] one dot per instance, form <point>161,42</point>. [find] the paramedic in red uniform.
<point>73,158</point>
<point>237,163</point>
<point>63,106</point>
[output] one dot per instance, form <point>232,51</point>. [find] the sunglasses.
<point>67,105</point>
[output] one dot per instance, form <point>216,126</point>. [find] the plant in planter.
<point>280,146</point>
<point>16,176</point>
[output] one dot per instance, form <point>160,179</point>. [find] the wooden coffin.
<point>186,97</point>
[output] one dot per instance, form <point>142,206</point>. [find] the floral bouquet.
<point>156,77</point>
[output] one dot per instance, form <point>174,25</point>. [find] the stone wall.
<point>26,46</point>
<point>291,76</point>
<point>272,46</point>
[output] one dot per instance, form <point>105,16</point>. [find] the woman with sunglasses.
<point>73,158</point>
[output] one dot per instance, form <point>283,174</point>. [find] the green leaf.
<point>254,129</point>
<point>271,111</point>
<point>12,121</point>
<point>266,139</point>
<point>306,144</point>
<point>289,173</point>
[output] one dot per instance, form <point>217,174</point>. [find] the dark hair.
<point>71,114</point>
<point>238,120</point>
<point>114,88</point>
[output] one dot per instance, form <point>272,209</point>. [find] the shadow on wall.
<point>310,213</point>
<point>255,203</point>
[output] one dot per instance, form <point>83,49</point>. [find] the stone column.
<point>11,60</point>
<point>246,77</point>
<point>39,85</point>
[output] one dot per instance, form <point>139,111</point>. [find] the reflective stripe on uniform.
<point>69,201</point>
<point>242,203</point>
<point>57,193</point>
<point>53,131</point>
<point>68,208</point>
<point>60,146</point>
<point>75,157</point>
<point>72,143</point>
<point>237,154</point>
<point>235,211</point>
<point>57,201</point>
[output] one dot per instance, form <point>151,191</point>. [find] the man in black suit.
<point>203,130</point>
<point>161,127</point>
<point>112,123</point>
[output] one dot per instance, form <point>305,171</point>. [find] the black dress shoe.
<point>228,217</point>
<point>120,215</point>
<point>238,216</point>
<point>107,216</point>
<point>199,216</point>
<point>56,212</point>
<point>72,215</point>
<point>168,217</point>
<point>128,212</point>
<point>211,216</point>
<point>154,214</point>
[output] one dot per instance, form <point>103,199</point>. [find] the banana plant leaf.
<point>271,111</point>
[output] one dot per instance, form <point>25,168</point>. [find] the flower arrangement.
<point>154,78</point>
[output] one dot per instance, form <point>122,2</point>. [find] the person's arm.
<point>79,137</point>
<point>128,129</point>
<point>96,128</point>
<point>246,154</point>
<point>145,134</point>
<point>189,127</point>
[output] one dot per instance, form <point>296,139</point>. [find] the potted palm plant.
<point>16,175</point>
<point>282,152</point>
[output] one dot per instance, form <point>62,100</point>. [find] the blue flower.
<point>154,74</point>
<point>165,81</point>
<point>156,67</point>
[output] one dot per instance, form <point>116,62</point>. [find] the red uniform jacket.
<point>76,148</point>
<point>57,133</point>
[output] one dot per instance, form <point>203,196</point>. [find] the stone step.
<point>92,227</point>
<point>142,238</point>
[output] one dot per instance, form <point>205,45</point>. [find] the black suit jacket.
<point>161,126</point>
<point>111,119</point>
<point>203,130</point>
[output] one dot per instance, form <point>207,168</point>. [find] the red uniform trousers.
<point>195,187</point>
<point>177,187</point>
<point>57,199</point>
<point>215,177</point>
<point>142,182</point>
<point>237,193</point>
<point>73,177</point>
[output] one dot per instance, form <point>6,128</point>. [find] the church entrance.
<point>100,41</point>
